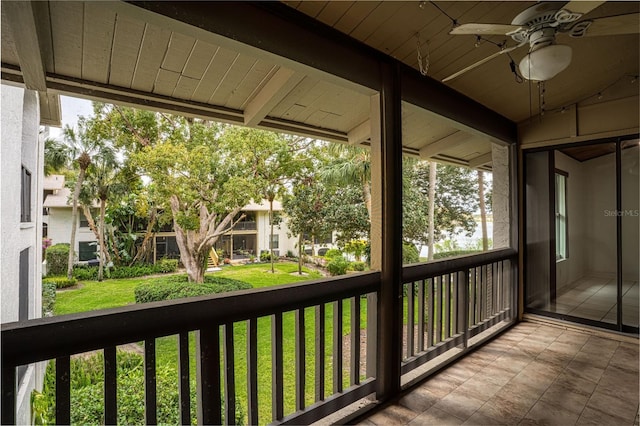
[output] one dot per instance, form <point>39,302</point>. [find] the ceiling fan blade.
<point>614,25</point>
<point>583,7</point>
<point>485,60</point>
<point>483,29</point>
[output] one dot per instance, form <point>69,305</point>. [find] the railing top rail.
<point>47,338</point>
<point>449,265</point>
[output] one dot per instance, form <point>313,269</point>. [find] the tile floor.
<point>532,374</point>
<point>595,298</point>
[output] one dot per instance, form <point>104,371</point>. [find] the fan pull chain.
<point>541,91</point>
<point>424,65</point>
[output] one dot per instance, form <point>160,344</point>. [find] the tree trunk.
<point>271,235</point>
<point>92,225</point>
<point>366,192</point>
<point>483,212</point>
<point>146,242</point>
<point>300,253</point>
<point>74,222</point>
<point>432,203</point>
<point>101,241</point>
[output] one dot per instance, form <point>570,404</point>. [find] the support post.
<point>386,228</point>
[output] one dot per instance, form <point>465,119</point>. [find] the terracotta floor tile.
<point>459,404</point>
<point>435,416</point>
<point>613,406</point>
<point>393,415</point>
<point>543,413</point>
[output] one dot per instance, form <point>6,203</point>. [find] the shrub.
<point>85,273</point>
<point>177,287</point>
<point>337,265</point>
<point>48,298</point>
<point>357,266</point>
<point>409,253</point>
<point>332,253</point>
<point>60,282</point>
<point>57,257</point>
<point>265,256</point>
<point>87,390</point>
<point>165,266</point>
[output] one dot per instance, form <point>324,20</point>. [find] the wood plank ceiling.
<point>102,51</point>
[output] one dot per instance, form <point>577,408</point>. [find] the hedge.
<point>48,298</point>
<point>446,254</point>
<point>409,253</point>
<point>60,282</point>
<point>163,266</point>
<point>177,287</point>
<point>332,253</point>
<point>57,257</point>
<point>87,392</point>
<point>357,266</point>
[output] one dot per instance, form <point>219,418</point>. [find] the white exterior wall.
<point>21,146</point>
<point>264,231</point>
<point>60,228</point>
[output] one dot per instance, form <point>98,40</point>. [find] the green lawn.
<point>112,293</point>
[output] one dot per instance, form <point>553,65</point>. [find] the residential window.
<point>84,222</point>
<point>25,196</point>
<point>275,241</point>
<point>87,250</point>
<point>23,297</point>
<point>562,251</point>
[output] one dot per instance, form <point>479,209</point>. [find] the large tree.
<point>82,144</point>
<point>306,210</point>
<point>207,173</point>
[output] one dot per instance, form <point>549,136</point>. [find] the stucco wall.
<point>264,231</point>
<point>60,228</point>
<point>21,146</point>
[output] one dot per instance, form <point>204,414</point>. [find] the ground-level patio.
<point>534,373</point>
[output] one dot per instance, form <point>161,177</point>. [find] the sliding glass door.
<point>581,235</point>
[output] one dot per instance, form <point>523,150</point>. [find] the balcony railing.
<point>213,319</point>
<point>449,302</point>
<point>446,303</point>
<point>245,226</point>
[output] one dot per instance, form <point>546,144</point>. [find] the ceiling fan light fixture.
<point>545,62</point>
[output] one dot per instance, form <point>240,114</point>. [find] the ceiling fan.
<point>538,25</point>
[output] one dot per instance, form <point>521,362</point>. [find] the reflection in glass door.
<point>630,224</point>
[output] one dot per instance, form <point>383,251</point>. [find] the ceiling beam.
<point>360,133</point>
<point>50,114</point>
<point>22,24</point>
<point>283,81</point>
<point>293,36</point>
<point>451,141</point>
<point>480,160</point>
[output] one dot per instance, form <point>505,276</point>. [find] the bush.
<point>165,266</point>
<point>57,257</point>
<point>60,282</point>
<point>87,390</point>
<point>48,298</point>
<point>410,253</point>
<point>337,266</point>
<point>332,253</point>
<point>177,287</point>
<point>84,272</point>
<point>357,266</point>
<point>265,256</point>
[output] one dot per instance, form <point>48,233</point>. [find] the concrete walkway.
<point>534,374</point>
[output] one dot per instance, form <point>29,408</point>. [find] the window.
<point>87,250</point>
<point>25,196</point>
<point>23,283</point>
<point>561,215</point>
<point>275,241</point>
<point>84,222</point>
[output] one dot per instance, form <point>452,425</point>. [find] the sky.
<point>71,108</point>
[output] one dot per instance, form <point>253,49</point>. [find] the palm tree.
<point>56,156</point>
<point>82,145</point>
<point>102,182</point>
<point>351,165</point>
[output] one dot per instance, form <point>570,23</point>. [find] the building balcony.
<point>448,308</point>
